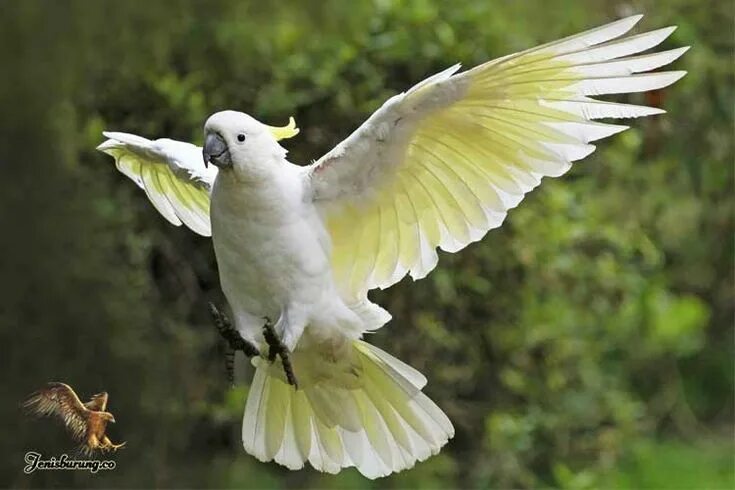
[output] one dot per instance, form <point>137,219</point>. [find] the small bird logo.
<point>86,422</point>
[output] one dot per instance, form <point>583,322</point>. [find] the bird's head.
<point>238,142</point>
<point>108,417</point>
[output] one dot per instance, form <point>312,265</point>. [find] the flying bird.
<point>437,166</point>
<point>86,422</point>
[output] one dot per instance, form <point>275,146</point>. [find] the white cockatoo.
<point>436,166</point>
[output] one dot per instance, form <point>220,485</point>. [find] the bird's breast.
<point>271,247</point>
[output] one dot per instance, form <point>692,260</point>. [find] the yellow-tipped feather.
<point>366,409</point>
<point>171,173</point>
<point>284,132</point>
<point>457,151</point>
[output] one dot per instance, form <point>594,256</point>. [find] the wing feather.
<point>59,400</point>
<point>98,403</point>
<point>441,164</point>
<point>386,261</point>
<point>171,173</point>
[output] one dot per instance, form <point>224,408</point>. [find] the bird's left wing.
<point>441,164</point>
<point>59,399</point>
<point>172,174</point>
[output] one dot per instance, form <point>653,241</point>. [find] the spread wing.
<point>59,400</point>
<point>441,164</point>
<point>172,174</point>
<point>98,403</point>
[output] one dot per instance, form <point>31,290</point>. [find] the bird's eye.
<point>240,137</point>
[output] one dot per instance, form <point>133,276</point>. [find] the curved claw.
<point>277,348</point>
<point>234,340</point>
<point>115,447</point>
<point>269,334</point>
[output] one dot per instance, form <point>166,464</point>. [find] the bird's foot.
<point>115,447</point>
<point>277,348</point>
<point>234,340</point>
<point>112,448</point>
<point>108,446</point>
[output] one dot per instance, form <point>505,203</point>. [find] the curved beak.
<point>215,151</point>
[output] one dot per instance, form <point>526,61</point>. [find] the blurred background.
<point>588,343</point>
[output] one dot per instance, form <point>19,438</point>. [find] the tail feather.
<point>256,415</point>
<point>332,452</point>
<point>275,427</point>
<point>290,453</point>
<point>301,423</point>
<point>361,454</point>
<point>363,409</point>
<point>399,368</point>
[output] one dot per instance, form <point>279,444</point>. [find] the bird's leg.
<point>230,364</point>
<point>105,446</point>
<point>234,340</point>
<point>276,347</point>
<point>92,444</point>
<point>230,334</point>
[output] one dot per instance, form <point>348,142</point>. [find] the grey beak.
<point>215,151</point>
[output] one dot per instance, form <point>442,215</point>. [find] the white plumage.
<point>436,166</point>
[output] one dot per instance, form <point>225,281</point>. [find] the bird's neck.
<point>279,186</point>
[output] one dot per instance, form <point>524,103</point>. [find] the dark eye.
<point>240,137</point>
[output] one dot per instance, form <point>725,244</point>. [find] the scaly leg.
<point>234,340</point>
<point>276,347</point>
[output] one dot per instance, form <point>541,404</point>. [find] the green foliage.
<point>670,464</point>
<point>596,322</point>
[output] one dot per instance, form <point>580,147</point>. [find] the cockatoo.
<point>436,166</point>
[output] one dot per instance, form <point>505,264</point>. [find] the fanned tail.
<point>355,406</point>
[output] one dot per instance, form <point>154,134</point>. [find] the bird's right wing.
<point>98,403</point>
<point>59,399</point>
<point>172,174</point>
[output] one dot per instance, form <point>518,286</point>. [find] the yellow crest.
<point>284,132</point>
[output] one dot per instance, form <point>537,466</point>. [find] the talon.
<point>269,334</point>
<point>288,369</point>
<point>235,342</point>
<point>276,347</point>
